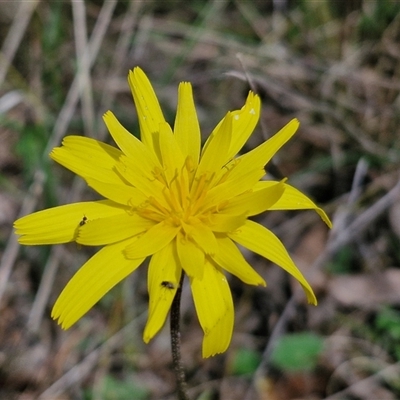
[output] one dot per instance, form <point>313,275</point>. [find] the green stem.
<point>176,344</point>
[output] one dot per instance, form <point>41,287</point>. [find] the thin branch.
<point>15,35</point>
<point>83,73</point>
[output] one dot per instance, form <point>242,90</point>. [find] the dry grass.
<point>333,65</point>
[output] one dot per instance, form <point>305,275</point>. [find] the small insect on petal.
<point>169,285</point>
<point>83,221</point>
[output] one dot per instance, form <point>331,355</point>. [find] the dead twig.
<point>15,35</point>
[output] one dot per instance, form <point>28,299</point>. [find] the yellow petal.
<point>152,240</point>
<point>88,158</point>
<point>233,187</point>
<point>259,157</point>
<point>130,145</point>
<point>91,282</point>
<point>163,281</point>
<point>243,123</point>
<point>262,241</point>
<point>231,259</point>
<point>147,184</point>
<point>120,193</point>
<point>293,199</point>
<point>214,153</point>
<point>148,108</point>
<point>204,237</point>
<point>191,256</point>
<point>60,224</point>
<point>213,301</point>
<point>171,155</point>
<point>253,203</point>
<point>186,128</point>
<point>222,222</point>
<point>247,170</point>
<point>102,231</point>
<point>89,149</point>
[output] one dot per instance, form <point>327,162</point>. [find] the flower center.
<point>183,196</point>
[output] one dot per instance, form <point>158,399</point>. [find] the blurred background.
<point>334,65</point>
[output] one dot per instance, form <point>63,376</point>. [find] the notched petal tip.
<point>136,72</point>
<point>253,100</point>
<point>59,319</point>
<point>185,85</point>
<point>311,299</point>
<point>147,337</point>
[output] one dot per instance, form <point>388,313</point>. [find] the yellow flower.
<point>184,206</point>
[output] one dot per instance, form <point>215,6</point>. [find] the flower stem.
<point>176,344</point>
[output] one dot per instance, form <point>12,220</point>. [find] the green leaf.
<point>297,352</point>
<point>245,362</point>
<point>114,389</point>
<point>388,320</point>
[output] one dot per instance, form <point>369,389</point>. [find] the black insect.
<point>169,285</point>
<point>83,222</point>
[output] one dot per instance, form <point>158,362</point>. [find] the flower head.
<point>167,198</point>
